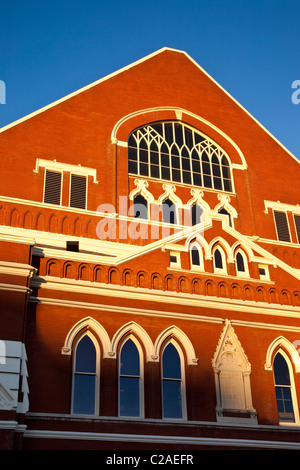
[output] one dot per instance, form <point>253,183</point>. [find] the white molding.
<point>162,439</point>
<point>87,322</point>
<point>176,110</point>
<point>61,167</point>
<point>184,340</point>
<point>281,206</point>
<point>17,269</point>
<point>192,300</point>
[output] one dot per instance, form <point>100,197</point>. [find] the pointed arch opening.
<point>131,402</point>
<point>173,381</point>
<point>86,375</point>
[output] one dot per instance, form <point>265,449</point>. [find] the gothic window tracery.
<point>175,152</point>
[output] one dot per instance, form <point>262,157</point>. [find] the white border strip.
<point>154,439</point>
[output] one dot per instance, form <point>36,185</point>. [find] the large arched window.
<point>175,152</point>
<point>85,390</point>
<point>173,396</point>
<point>130,380</point>
<point>285,393</point>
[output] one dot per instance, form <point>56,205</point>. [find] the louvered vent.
<point>297,225</point>
<point>282,226</point>
<point>52,187</point>
<point>78,191</point>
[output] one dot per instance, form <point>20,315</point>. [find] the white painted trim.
<point>177,110</point>
<point>164,439</point>
<point>17,269</point>
<point>61,167</point>
<point>88,322</point>
<point>133,327</point>
<point>292,387</point>
<point>281,206</point>
<point>96,374</point>
<point>127,310</point>
<point>283,343</point>
<point>172,297</point>
<point>182,337</point>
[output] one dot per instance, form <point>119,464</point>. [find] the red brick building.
<point>150,265</point>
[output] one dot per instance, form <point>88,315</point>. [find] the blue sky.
<point>252,48</point>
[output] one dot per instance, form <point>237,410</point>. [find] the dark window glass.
<point>283,389</point>
<point>195,256</point>
<point>196,212</point>
<point>84,377</point>
<point>129,380</point>
<point>169,212</point>
<point>172,385</point>
<point>218,259</point>
<point>140,207</point>
<point>240,262</point>
<point>184,146</point>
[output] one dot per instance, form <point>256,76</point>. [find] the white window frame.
<point>196,267</point>
<point>266,276</point>
<point>97,373</point>
<point>177,263</point>
<point>222,270</point>
<point>246,265</point>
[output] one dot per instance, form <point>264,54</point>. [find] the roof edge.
<point>133,64</point>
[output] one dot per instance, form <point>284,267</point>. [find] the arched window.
<point>140,207</point>
<point>130,380</point>
<point>169,212</point>
<point>219,260</point>
<point>173,397</point>
<point>225,212</point>
<point>196,256</point>
<point>175,152</point>
<point>85,390</point>
<point>196,213</point>
<point>241,264</point>
<point>285,393</point>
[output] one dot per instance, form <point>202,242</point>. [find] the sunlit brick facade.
<point>150,266</point>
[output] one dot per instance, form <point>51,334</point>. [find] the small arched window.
<point>176,152</point>
<point>219,260</point>
<point>140,207</point>
<point>241,264</point>
<point>196,214</point>
<point>130,380</point>
<point>285,393</point>
<point>173,397</point>
<point>196,256</point>
<point>85,390</point>
<point>169,212</point>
